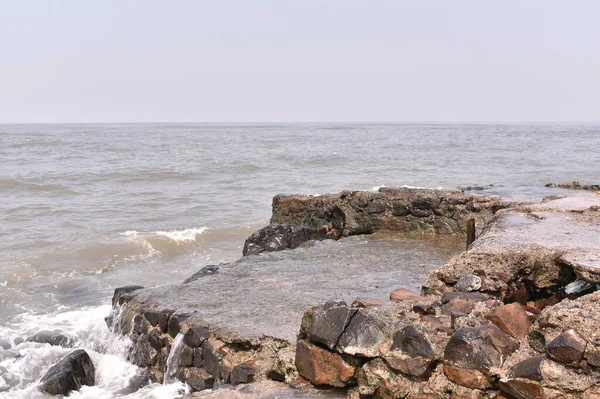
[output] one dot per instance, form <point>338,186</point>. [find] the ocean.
<point>87,208</point>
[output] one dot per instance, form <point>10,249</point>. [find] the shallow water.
<point>87,208</point>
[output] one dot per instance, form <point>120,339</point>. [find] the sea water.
<point>87,208</point>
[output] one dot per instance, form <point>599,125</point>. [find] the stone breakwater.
<point>299,218</point>
<point>515,316</point>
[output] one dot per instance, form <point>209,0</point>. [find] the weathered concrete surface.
<point>531,249</point>
<point>252,309</point>
<point>300,218</point>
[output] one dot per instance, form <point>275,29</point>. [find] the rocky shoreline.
<point>513,316</point>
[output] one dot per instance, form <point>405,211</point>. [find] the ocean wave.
<point>167,243</point>
<point>27,186</point>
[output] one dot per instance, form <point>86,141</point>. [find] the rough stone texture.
<point>468,283</point>
<point>243,373</point>
<point>328,325</point>
<point>363,334</point>
<point>480,349</point>
<point>581,314</point>
<point>412,353</point>
<point>322,367</point>
<point>297,219</point>
<point>512,319</point>
<point>575,185</point>
<point>568,348</point>
<point>277,237</point>
<point>195,336</point>
<point>69,374</point>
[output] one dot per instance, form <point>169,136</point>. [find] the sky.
<point>296,61</point>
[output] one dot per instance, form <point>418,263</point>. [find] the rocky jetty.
<point>299,218</point>
<point>514,316</point>
<point>575,185</point>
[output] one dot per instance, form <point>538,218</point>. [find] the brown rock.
<point>522,389</point>
<point>512,319</point>
<point>568,348</point>
<point>402,294</point>
<point>530,368</point>
<point>367,303</point>
<point>457,305</point>
<point>322,367</point>
<point>468,378</point>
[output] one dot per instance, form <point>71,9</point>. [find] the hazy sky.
<point>303,60</point>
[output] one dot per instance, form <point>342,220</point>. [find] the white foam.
<point>187,235</point>
<point>376,188</point>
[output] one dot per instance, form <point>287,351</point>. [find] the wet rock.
<point>69,374</point>
<point>243,373</point>
<point>4,344</point>
<point>56,338</point>
<point>198,358</point>
<point>276,237</point>
<point>175,323</point>
<point>363,335</point>
<point>568,348</point>
<point>322,367</point>
<point>159,318</point>
<point>195,336</point>
<point>468,283</point>
<point>478,349</point>
<point>213,360</point>
<point>155,339</point>
<point>187,356</point>
<point>197,378</point>
<point>411,352</point>
<point>205,271</point>
<point>142,354</point>
<point>403,294</point>
<point>511,319</point>
<point>120,296</point>
<point>328,325</point>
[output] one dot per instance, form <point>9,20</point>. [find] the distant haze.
<point>304,60</point>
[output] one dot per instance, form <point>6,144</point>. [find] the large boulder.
<point>69,374</point>
<point>473,354</point>
<point>322,367</point>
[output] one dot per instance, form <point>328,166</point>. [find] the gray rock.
<point>55,338</point>
<point>468,283</point>
<point>242,374</point>
<point>69,374</point>
<point>120,293</point>
<point>412,353</point>
<point>205,271</point>
<point>276,237</point>
<point>212,360</point>
<point>159,318</point>
<point>363,335</point>
<point>195,336</point>
<point>328,325</point>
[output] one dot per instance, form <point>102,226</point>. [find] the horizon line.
<point>311,122</point>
